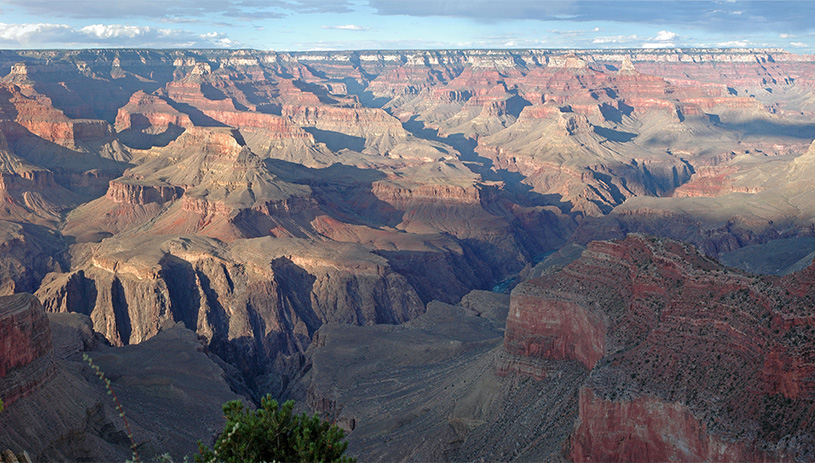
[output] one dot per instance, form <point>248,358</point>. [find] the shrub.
<point>273,433</point>
<point>101,375</point>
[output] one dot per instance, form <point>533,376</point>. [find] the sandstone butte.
<point>258,196</point>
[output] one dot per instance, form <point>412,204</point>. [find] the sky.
<point>302,25</point>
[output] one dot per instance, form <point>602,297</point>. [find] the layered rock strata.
<point>689,360</point>
<point>27,359</point>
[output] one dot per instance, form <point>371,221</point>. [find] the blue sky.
<point>404,24</point>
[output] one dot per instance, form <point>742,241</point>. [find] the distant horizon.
<point>357,50</point>
<point>332,25</point>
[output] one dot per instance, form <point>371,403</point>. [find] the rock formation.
<point>56,409</point>
<point>27,360</point>
<point>29,253</point>
<point>688,359</point>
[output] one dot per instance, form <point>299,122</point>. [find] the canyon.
<point>532,237</point>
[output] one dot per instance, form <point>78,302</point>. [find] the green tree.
<point>273,433</point>
<point>2,407</point>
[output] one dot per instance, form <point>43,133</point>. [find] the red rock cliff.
<point>26,356</point>
<point>690,360</point>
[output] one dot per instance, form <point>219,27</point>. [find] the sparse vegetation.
<point>98,372</point>
<point>274,433</point>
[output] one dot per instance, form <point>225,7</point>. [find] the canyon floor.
<point>463,255</point>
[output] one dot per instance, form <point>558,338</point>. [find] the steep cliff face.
<point>68,414</point>
<point>206,181</point>
<point>145,111</point>
<point>24,110</point>
<point>30,193</point>
<point>646,429</point>
<point>29,253</point>
<point>688,359</point>
<point>27,356</point>
<point>129,192</point>
<point>253,300</point>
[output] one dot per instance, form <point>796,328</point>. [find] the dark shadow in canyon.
<point>182,288</point>
<point>514,187</point>
<point>320,92</point>
<point>121,311</point>
<point>344,192</point>
<point>763,128</point>
<point>137,139</point>
<point>365,97</point>
<point>196,115</point>
<point>465,146</point>
<point>614,135</point>
<point>516,104</point>
<point>615,114</point>
<point>336,141</point>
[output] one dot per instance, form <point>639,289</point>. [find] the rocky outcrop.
<point>132,192</point>
<point>711,182</point>
<point>27,359</point>
<point>276,126</point>
<point>689,360</point>
<point>647,429</point>
<point>145,111</point>
<point>170,388</point>
<point>276,292</point>
<point>35,113</point>
<point>9,457</point>
<point>28,253</point>
<point>550,326</point>
<point>399,197</point>
<point>366,130</point>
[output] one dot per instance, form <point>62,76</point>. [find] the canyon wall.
<point>27,356</point>
<point>689,360</point>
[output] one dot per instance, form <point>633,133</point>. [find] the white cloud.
<point>665,36</point>
<point>347,27</point>
<point>219,38</point>
<point>573,33</point>
<point>658,45</point>
<point>614,39</point>
<point>28,34</point>
<point>42,35</point>
<point>107,31</point>
<point>734,44</point>
<point>799,44</point>
<point>786,36</point>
